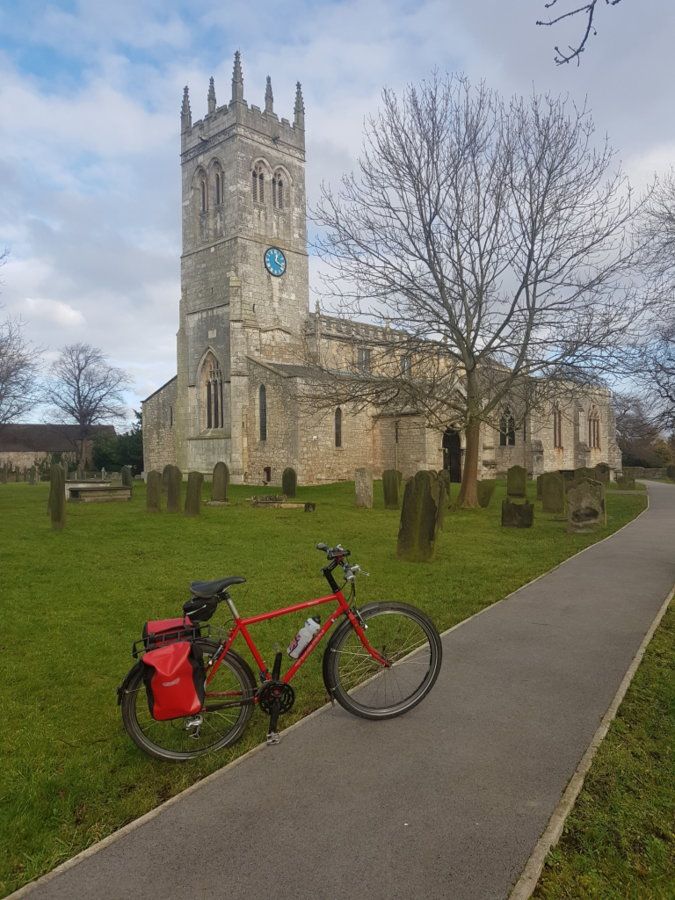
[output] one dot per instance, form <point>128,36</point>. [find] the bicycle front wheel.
<point>227,708</point>
<point>411,647</point>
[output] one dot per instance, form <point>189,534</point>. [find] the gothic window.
<point>203,194</point>
<point>212,393</point>
<point>171,417</point>
<point>594,429</point>
<point>507,429</point>
<point>363,359</point>
<point>258,184</point>
<point>262,412</point>
<point>278,191</point>
<point>338,427</point>
<point>557,427</point>
<point>219,188</point>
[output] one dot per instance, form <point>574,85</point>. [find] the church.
<point>245,327</point>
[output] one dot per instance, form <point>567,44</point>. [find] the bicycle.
<point>380,662</point>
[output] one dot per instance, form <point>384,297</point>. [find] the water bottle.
<point>303,637</point>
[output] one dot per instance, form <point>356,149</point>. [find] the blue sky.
<point>90,94</point>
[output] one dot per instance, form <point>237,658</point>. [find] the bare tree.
<point>85,389</point>
<point>588,10</point>
<point>19,361</point>
<point>491,237</point>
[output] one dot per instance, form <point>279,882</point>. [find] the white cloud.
<point>53,311</point>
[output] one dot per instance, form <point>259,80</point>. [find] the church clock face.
<point>275,262</point>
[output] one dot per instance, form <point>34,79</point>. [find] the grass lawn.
<point>619,840</point>
<point>74,601</point>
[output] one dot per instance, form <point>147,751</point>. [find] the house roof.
<point>50,438</point>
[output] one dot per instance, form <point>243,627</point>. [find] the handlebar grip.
<point>323,547</point>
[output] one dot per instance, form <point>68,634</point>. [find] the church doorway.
<point>452,454</point>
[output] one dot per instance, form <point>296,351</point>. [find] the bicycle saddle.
<point>208,589</point>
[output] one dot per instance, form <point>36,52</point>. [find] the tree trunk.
<point>468,493</point>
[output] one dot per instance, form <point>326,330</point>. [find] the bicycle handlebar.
<point>338,555</point>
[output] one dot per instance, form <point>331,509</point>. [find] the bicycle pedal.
<point>273,737</point>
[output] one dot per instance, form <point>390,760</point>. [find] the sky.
<point>90,95</point>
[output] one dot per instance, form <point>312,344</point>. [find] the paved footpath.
<point>445,802</point>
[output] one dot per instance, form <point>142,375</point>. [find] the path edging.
<point>526,884</point>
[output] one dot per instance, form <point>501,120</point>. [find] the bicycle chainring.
<point>278,691</point>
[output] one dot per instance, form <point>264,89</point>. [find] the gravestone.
<point>516,482</point>
<point>390,485</point>
<point>193,495</point>
<point>289,482</point>
<point>586,506</point>
<point>485,488</point>
<point>539,477</point>
<point>220,483</point>
<point>127,479</point>
<point>363,485</point>
<point>174,483</point>
<point>552,492</point>
<point>166,475</point>
<point>419,518</point>
<point>153,495</point>
<point>602,473</point>
<point>584,473</point>
<point>444,476</point>
<point>567,476</point>
<point>57,497</point>
<point>517,515</point>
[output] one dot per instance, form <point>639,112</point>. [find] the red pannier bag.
<point>165,631</point>
<point>174,680</point>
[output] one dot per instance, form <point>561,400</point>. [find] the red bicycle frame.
<point>241,627</point>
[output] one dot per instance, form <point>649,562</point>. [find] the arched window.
<point>507,429</point>
<point>557,427</point>
<point>594,429</point>
<point>212,393</point>
<point>338,427</point>
<point>219,188</point>
<point>278,191</point>
<point>204,195</point>
<point>262,412</point>
<point>258,184</point>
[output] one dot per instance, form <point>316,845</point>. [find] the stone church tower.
<point>243,189</point>
<point>245,333</point>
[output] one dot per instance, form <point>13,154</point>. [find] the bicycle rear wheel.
<point>227,708</point>
<point>410,644</point>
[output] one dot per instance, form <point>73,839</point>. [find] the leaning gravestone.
<point>193,495</point>
<point>485,489</point>
<point>153,494</point>
<point>220,483</point>
<point>552,492</point>
<point>390,484</point>
<point>517,515</point>
<point>419,518</point>
<point>363,485</point>
<point>586,506</point>
<point>516,482</point>
<point>174,483</point>
<point>602,473</point>
<point>127,478</point>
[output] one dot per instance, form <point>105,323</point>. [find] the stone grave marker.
<point>153,496</point>
<point>363,485</point>
<point>193,495</point>
<point>390,485</point>
<point>517,515</point>
<point>419,518</point>
<point>220,483</point>
<point>516,482</point>
<point>602,473</point>
<point>485,489</point>
<point>552,492</point>
<point>174,484</point>
<point>586,506</point>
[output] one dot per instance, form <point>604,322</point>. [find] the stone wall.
<point>159,432</point>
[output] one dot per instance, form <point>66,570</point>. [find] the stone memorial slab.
<point>552,493</point>
<point>586,506</point>
<point>517,515</point>
<point>516,482</point>
<point>363,485</point>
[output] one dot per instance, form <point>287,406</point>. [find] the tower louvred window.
<point>212,382</point>
<point>258,184</point>
<point>278,191</point>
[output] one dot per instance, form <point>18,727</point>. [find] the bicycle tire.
<point>172,739</point>
<point>407,638</point>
